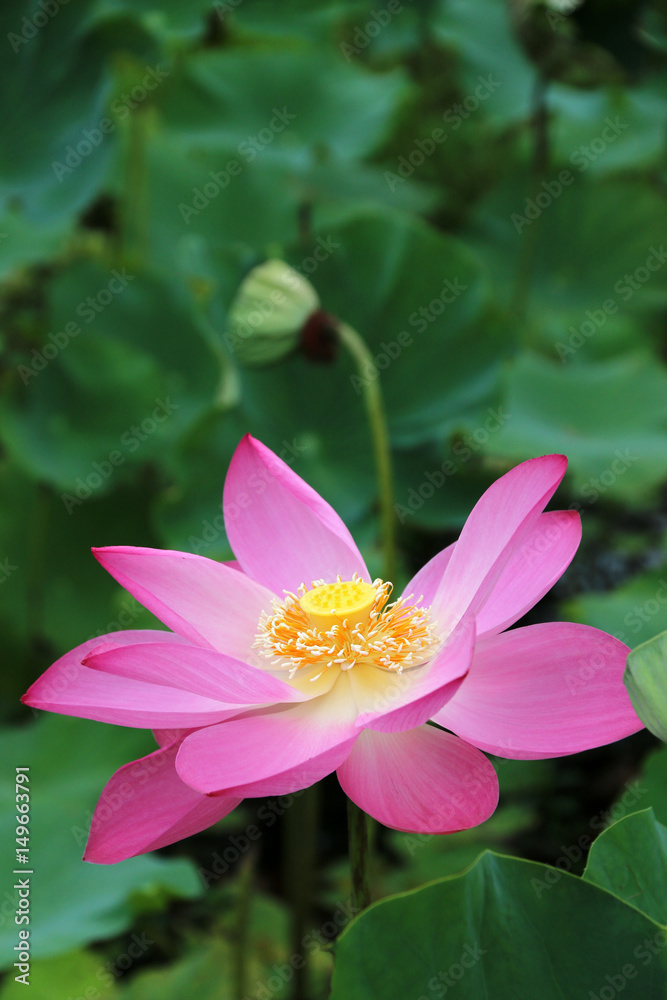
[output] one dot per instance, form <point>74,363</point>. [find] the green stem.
<point>299,858</point>
<point>378,423</point>
<point>527,255</point>
<point>357,832</point>
<point>134,222</point>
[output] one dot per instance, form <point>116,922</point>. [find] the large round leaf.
<point>507,929</point>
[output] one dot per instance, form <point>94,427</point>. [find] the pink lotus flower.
<point>293,663</point>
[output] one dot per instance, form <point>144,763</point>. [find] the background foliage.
<point>487,180</point>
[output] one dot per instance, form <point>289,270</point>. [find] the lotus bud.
<point>269,312</point>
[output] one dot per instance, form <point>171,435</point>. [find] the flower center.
<point>344,624</point>
<point>331,603</point>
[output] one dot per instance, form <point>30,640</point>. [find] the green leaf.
<point>188,514</point>
<point>303,98</point>
<point>237,127</point>
<point>209,970</point>
<point>634,612</point>
<point>123,371</point>
<point>310,416</point>
<point>56,83</point>
<point>608,130</point>
<point>206,973</point>
<point>645,678</point>
<point>68,975</point>
<point>651,788</point>
<point>73,902</point>
<point>542,250</point>
<point>417,297</point>
<point>170,19</point>
<point>436,486</point>
<point>18,499</point>
<point>426,857</point>
<point>482,34</point>
<point>294,20</point>
<point>54,593</point>
<point>630,860</point>
<point>608,418</point>
<point>504,929</point>
<point>24,241</point>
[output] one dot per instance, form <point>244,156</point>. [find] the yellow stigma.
<point>332,603</point>
<point>343,624</point>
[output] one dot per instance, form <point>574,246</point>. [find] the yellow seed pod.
<point>269,312</point>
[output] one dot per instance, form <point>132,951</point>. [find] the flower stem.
<point>299,866</point>
<point>527,255</point>
<point>378,423</point>
<point>357,832</point>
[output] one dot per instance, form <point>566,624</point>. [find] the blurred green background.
<point>479,189</point>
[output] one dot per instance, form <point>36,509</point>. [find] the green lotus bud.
<point>269,312</point>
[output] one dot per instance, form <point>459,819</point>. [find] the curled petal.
<point>196,670</point>
<point>420,781</point>
<point>73,688</point>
